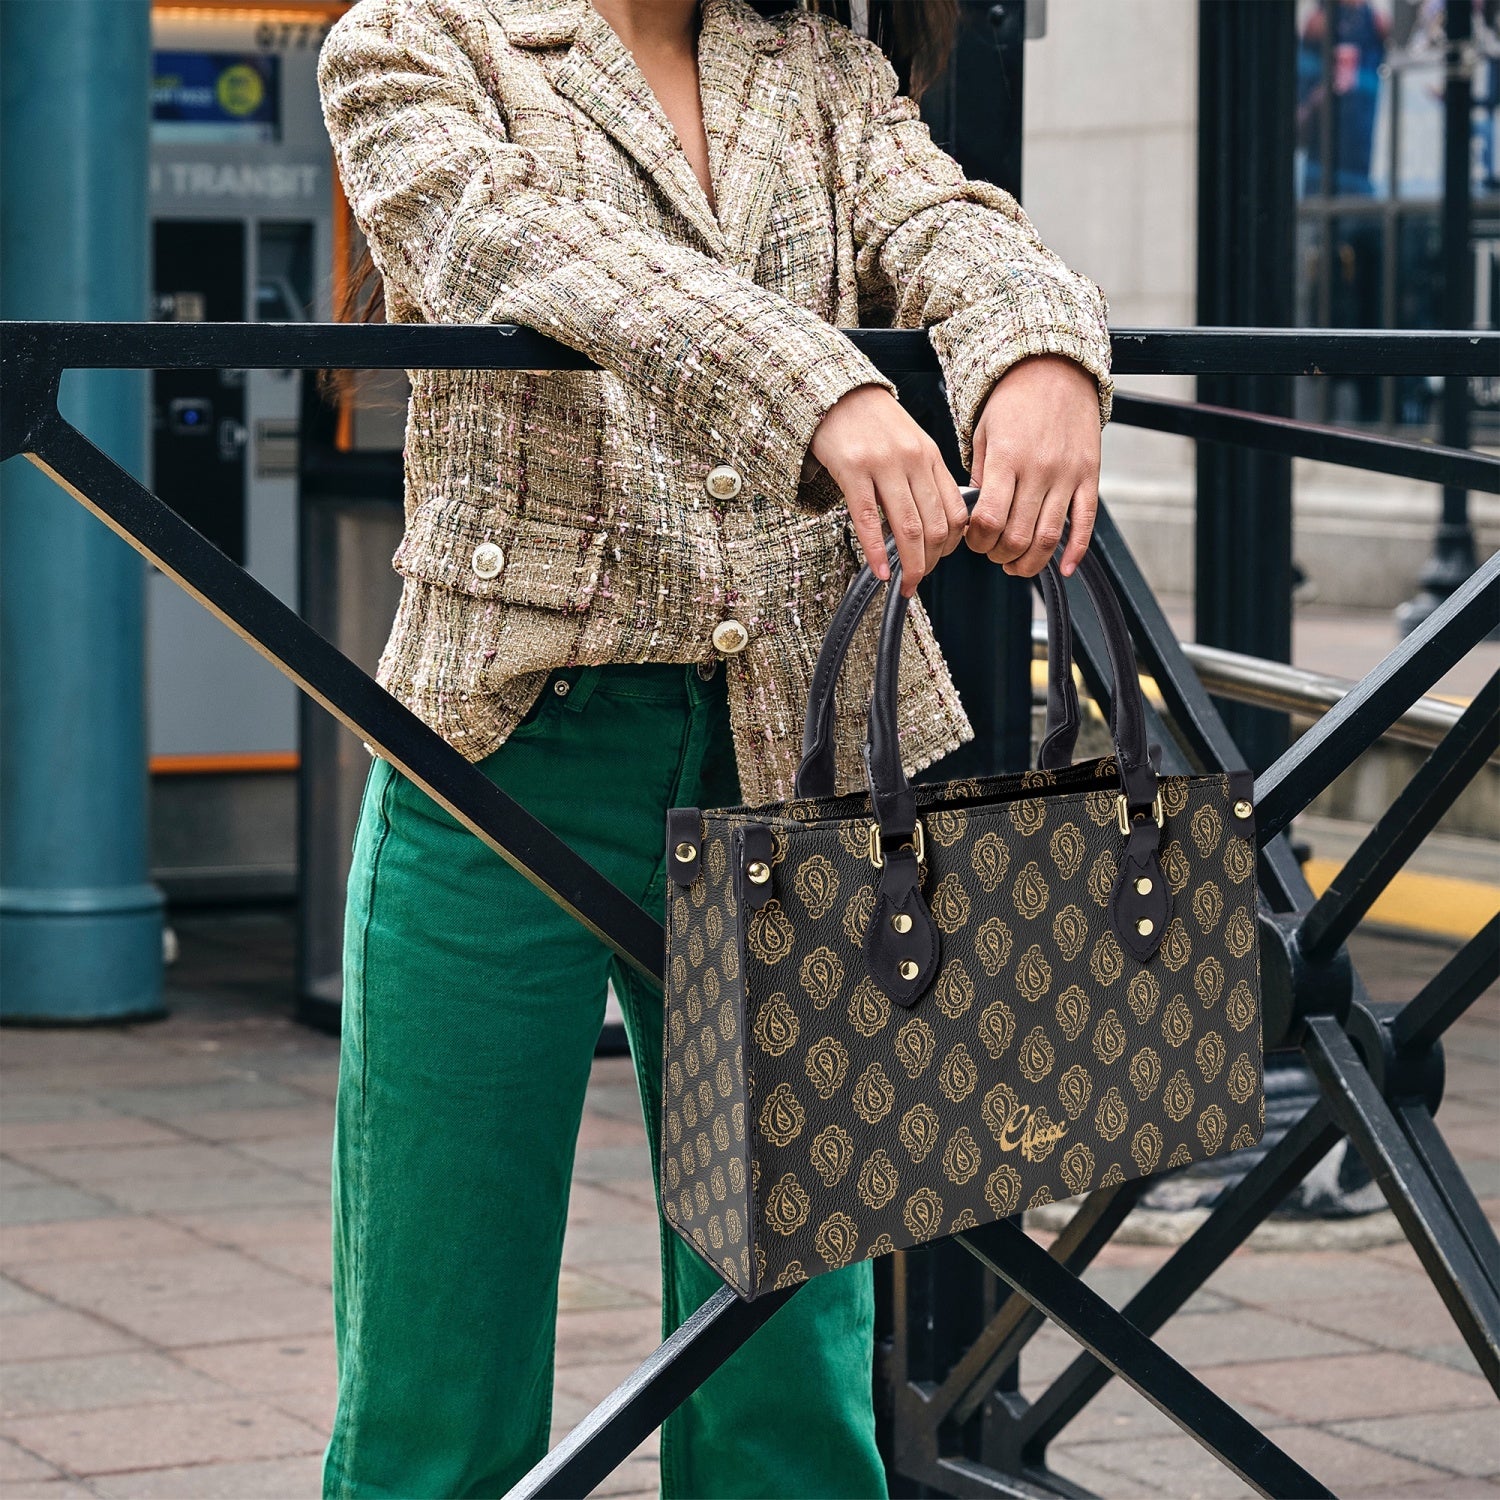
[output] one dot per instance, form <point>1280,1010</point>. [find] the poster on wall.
<point>215,97</point>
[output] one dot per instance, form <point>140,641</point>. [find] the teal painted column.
<point>80,922</point>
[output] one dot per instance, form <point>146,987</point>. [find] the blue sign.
<point>216,96</point>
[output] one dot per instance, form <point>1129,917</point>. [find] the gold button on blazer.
<point>508,163</point>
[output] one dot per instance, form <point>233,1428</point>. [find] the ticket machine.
<point>242,205</point>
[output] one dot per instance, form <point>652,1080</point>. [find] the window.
<point>1369,171</point>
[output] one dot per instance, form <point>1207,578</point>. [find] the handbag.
<point>895,1015</point>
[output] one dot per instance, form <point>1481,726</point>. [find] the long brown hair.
<point>917,36</point>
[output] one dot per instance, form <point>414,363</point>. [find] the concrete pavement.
<point>165,1328</point>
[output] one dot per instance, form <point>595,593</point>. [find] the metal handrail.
<point>1300,690</point>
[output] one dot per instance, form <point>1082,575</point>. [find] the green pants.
<point>471,1009</point>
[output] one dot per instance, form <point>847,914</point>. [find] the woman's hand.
<point>1036,462</point>
<point>885,464</point>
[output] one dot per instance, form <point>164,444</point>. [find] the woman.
<point>615,583</point>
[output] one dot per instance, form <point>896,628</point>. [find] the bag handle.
<point>816,772</point>
<point>902,943</point>
<point>890,793</point>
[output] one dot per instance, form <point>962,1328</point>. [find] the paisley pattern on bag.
<point>1043,1062</point>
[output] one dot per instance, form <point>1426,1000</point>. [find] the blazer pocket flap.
<point>494,555</point>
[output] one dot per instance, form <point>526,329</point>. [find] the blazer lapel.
<point>748,101</point>
<point>599,75</point>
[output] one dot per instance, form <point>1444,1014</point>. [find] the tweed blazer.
<point>508,163</point>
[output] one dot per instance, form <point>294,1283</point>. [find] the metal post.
<point>1453,555</point>
<point>80,922</point>
<point>1246,262</point>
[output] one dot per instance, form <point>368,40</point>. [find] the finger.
<point>1015,536</point>
<point>1045,535</point>
<point>864,513</point>
<point>924,491</point>
<point>991,511</point>
<point>1081,529</point>
<point>977,457</point>
<point>905,521</point>
<point>953,505</point>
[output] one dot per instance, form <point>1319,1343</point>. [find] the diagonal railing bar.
<point>969,1382</point>
<point>1428,462</point>
<point>1236,1215</point>
<point>1347,730</point>
<point>1437,1161</point>
<point>1008,1251</point>
<point>1449,993</point>
<point>291,645</point>
<point>1366,1118</point>
<point>1188,706</point>
<point>1440,780</point>
<point>319,669</point>
<point>648,1396</point>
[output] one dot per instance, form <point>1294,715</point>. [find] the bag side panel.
<point>705,1188</point>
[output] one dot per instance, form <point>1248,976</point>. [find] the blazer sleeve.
<point>960,258</point>
<point>473,228</point>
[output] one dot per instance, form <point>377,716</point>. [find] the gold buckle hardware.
<point>918,843</point>
<point>1122,812</point>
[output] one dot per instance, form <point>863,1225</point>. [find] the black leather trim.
<point>893,801</point>
<point>1127,707</point>
<point>1138,775</point>
<point>753,845</point>
<point>1127,906</point>
<point>1242,789</point>
<point>684,826</point>
<point>1060,734</point>
<point>816,774</point>
<point>900,891</point>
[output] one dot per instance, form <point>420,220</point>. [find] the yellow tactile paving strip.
<point>1439,905</point>
<point>1435,905</point>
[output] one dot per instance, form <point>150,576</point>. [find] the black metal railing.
<point>952,1414</point>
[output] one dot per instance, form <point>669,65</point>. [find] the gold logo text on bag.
<point>1031,1134</point>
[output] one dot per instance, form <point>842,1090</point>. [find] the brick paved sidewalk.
<point>164,1308</point>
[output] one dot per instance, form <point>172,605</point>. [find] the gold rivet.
<point>1145,927</point>
<point>901,922</point>
<point>759,872</point>
<point>908,969</point>
<point>1143,886</point>
<point>1242,809</point>
<point>685,853</point>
